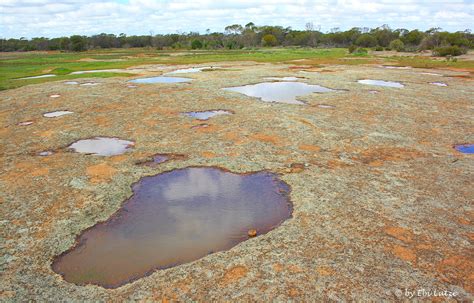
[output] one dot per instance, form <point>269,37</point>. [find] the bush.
<point>360,51</point>
<point>397,45</point>
<point>196,44</point>
<point>449,51</point>
<point>269,40</point>
<point>378,48</point>
<point>352,48</point>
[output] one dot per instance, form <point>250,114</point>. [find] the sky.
<point>56,18</point>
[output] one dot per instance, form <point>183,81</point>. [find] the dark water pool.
<point>465,148</point>
<point>174,218</point>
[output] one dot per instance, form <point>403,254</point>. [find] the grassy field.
<point>18,65</point>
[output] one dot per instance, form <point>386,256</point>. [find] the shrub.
<point>196,44</point>
<point>449,51</point>
<point>352,48</point>
<point>269,40</point>
<point>378,48</point>
<point>397,45</point>
<point>360,52</point>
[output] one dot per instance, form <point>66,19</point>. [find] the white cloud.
<point>52,18</point>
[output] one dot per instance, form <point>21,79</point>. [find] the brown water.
<point>174,218</point>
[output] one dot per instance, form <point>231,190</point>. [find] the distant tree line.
<point>237,37</point>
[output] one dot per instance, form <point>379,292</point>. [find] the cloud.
<point>34,18</point>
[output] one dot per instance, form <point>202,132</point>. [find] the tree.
<point>366,40</point>
<point>397,45</point>
<point>78,43</point>
<point>269,40</point>
<point>196,44</point>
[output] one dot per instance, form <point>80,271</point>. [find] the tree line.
<point>237,36</point>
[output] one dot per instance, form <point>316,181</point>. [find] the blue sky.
<point>53,18</point>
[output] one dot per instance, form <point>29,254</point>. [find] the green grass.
<point>18,65</point>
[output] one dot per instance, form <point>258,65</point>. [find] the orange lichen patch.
<point>424,246</point>
<point>463,221</point>
<point>309,147</point>
<point>297,167</point>
<point>295,269</point>
<point>376,156</point>
<point>277,267</point>
<point>458,270</point>
<point>404,253</point>
<point>46,134</point>
<point>234,274</point>
<point>306,122</point>
<point>400,233</point>
<point>43,171</point>
<point>102,121</point>
<point>275,140</point>
<point>119,158</point>
<point>293,292</point>
<point>100,173</point>
<point>207,129</point>
<point>332,164</point>
<point>233,136</point>
<point>325,271</point>
<point>208,154</point>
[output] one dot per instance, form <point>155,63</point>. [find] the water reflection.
<point>381,83</point>
<point>174,218</point>
<point>102,146</point>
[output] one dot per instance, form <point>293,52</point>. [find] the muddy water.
<point>381,83</point>
<point>281,92</point>
<point>174,218</point>
<point>161,79</point>
<point>204,115</point>
<point>102,146</point>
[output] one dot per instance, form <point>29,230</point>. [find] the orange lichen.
<point>400,233</point>
<point>309,147</point>
<point>234,274</point>
<point>100,173</point>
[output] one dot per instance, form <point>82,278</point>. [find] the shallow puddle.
<point>161,79</point>
<point>38,77</point>
<point>326,106</point>
<point>102,146</point>
<point>58,113</point>
<point>71,82</point>
<point>438,83</point>
<point>431,74</point>
<point>373,91</point>
<point>55,96</point>
<point>381,83</point>
<point>281,92</point>
<point>204,115</point>
<point>395,67</point>
<point>174,218</point>
<point>45,153</point>
<point>90,84</point>
<point>25,123</point>
<point>465,148</point>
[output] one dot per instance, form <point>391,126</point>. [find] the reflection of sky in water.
<point>174,218</point>
<point>282,92</point>
<point>161,79</point>
<point>465,148</point>
<point>204,115</point>
<point>381,83</point>
<point>101,146</point>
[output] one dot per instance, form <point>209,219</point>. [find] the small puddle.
<point>280,92</point>
<point>465,148</point>
<point>37,77</point>
<point>54,96</point>
<point>71,82</point>
<point>431,74</point>
<point>438,83</point>
<point>25,123</point>
<point>204,115</point>
<point>90,84</point>
<point>102,146</point>
<point>161,79</point>
<point>58,113</point>
<point>381,83</point>
<point>174,218</point>
<point>132,86</point>
<point>326,106</point>
<point>395,67</point>
<point>373,91</point>
<point>45,153</point>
